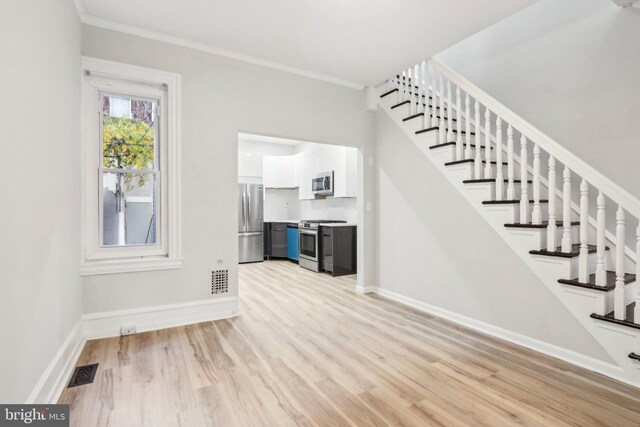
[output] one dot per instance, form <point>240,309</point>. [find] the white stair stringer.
<point>617,340</point>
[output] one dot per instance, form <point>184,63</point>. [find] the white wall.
<point>570,68</point>
<point>40,41</point>
<point>220,98</point>
<point>433,247</point>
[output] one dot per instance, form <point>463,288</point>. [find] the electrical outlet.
<point>127,330</point>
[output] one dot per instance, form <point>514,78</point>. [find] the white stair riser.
<point>401,112</point>
<point>444,154</point>
<point>479,192</point>
<point>585,301</point>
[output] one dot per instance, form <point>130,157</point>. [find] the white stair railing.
<point>433,77</point>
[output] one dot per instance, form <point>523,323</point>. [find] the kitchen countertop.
<point>338,224</point>
<point>284,221</point>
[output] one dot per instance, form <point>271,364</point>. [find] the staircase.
<point>570,224</point>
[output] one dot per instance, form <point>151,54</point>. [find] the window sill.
<point>93,268</point>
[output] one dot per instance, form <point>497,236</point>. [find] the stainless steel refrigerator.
<point>250,223</point>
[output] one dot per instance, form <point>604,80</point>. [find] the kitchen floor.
<point>308,350</point>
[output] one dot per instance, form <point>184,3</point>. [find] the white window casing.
<point>112,77</point>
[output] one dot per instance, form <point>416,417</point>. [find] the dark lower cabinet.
<point>275,240</point>
<point>338,252</point>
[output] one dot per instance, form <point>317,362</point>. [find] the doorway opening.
<point>297,210</point>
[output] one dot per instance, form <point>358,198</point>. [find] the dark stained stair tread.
<point>460,131</point>
<point>530,225</point>
<point>575,251</point>
<point>610,281</point>
<point>414,116</point>
<point>508,202</point>
<point>628,319</point>
<point>634,356</point>
<point>444,144</point>
<point>431,129</point>
<point>459,162</point>
<point>400,104</point>
<point>490,180</point>
<point>389,93</point>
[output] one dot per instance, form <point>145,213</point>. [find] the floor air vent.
<point>219,282</point>
<point>83,375</point>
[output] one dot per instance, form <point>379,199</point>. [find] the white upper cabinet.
<point>342,161</point>
<point>279,172</point>
<point>298,170</point>
<point>345,169</point>
<point>305,162</point>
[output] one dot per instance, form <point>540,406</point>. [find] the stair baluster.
<point>429,109</point>
<point>524,185</point>
<point>511,194</point>
<point>424,92</point>
<point>636,314</point>
<point>409,84</point>
<point>467,122</point>
<point>487,143</point>
<point>449,113</point>
<point>478,125</point>
<point>536,214</point>
<point>566,210</point>
<point>583,261</point>
<point>417,87</point>
<point>619,307</point>
<point>459,146</point>
<point>601,273</point>
<point>551,228</point>
<point>442,132</point>
<point>499,176</point>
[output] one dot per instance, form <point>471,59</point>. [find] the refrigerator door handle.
<point>244,209</point>
<point>257,233</point>
<point>247,206</point>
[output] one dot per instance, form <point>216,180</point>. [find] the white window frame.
<point>101,76</point>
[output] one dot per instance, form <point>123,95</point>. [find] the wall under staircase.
<point>434,253</point>
<point>438,254</point>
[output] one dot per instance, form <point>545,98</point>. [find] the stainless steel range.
<point>310,243</point>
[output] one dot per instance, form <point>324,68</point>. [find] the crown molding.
<point>203,47</point>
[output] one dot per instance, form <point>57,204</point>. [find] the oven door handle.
<point>313,233</point>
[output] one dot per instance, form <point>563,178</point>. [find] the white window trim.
<point>167,255</point>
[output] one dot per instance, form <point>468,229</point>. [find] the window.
<point>130,168</point>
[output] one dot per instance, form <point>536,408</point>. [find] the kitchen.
<point>297,202</point>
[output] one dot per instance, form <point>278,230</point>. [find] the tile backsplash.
<point>283,204</point>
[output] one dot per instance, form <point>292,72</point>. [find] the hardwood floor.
<point>307,350</point>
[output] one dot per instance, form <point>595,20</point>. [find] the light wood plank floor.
<point>309,351</point>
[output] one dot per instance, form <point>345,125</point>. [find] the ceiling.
<point>358,42</point>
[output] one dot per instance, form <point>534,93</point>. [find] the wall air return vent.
<point>219,282</point>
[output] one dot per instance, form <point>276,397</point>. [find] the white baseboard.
<point>54,378</point>
<point>552,350</point>
<point>108,324</point>
<point>365,289</point>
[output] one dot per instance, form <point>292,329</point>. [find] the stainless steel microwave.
<point>322,184</point>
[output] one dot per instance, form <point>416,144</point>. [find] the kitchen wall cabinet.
<point>345,167</point>
<point>342,161</point>
<point>280,172</point>
<point>305,174</point>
